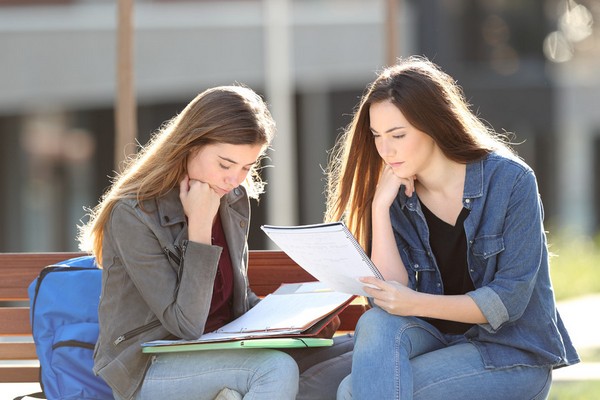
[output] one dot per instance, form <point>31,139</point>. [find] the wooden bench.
<point>267,270</point>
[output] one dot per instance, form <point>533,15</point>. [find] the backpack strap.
<point>38,395</point>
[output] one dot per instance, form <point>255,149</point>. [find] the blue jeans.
<point>256,374</point>
<point>407,358</point>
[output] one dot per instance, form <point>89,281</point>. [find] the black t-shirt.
<point>449,246</point>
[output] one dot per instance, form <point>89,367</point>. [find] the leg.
<point>384,346</point>
<point>457,372</point>
<point>323,368</point>
<point>344,391</point>
<point>256,374</point>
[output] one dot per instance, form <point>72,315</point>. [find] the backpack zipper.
<point>136,331</point>
<point>73,343</point>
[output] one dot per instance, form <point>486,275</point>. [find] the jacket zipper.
<point>136,331</point>
<point>172,255</point>
<point>179,256</point>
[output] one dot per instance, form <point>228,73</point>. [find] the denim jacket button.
<point>416,266</point>
<point>467,201</point>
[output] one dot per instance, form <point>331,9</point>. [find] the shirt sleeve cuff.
<point>491,306</point>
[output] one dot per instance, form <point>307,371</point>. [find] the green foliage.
<point>574,265</point>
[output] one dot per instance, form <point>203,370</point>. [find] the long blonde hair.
<point>433,103</point>
<point>224,114</point>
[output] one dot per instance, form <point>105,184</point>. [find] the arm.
<point>398,299</point>
<point>505,297</point>
<point>182,305</point>
<point>384,251</point>
<point>516,265</point>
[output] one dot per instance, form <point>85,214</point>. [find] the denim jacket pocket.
<point>487,246</point>
<point>417,262</point>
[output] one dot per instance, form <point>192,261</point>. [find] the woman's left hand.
<point>391,296</point>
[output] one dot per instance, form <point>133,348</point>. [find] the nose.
<point>236,178</point>
<point>385,147</point>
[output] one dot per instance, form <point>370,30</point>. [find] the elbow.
<point>492,308</point>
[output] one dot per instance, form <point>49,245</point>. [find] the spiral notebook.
<point>327,251</point>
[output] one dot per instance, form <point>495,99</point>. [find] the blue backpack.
<point>64,321</point>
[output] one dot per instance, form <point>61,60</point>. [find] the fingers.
<point>184,186</point>
<point>409,185</point>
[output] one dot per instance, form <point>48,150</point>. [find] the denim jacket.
<point>156,284</point>
<point>507,258</point>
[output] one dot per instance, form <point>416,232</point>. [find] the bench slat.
<point>19,373</point>
<point>14,321</point>
<point>18,270</point>
<point>17,351</point>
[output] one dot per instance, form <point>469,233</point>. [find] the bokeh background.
<point>530,67</point>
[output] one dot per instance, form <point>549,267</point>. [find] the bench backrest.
<point>267,270</point>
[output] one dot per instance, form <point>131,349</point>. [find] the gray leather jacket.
<point>157,285</point>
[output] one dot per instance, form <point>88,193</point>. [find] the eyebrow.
<point>389,130</point>
<point>234,162</point>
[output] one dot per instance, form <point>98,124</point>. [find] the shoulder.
<point>509,177</point>
<point>506,167</point>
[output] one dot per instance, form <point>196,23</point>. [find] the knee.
<point>344,391</point>
<point>284,366</point>
<point>372,322</point>
<point>377,327</point>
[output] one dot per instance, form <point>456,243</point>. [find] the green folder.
<point>267,343</point>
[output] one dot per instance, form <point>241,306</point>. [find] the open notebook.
<point>295,310</point>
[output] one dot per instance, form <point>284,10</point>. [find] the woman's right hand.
<point>388,187</point>
<point>200,204</point>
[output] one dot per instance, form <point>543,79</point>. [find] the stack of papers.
<point>294,310</point>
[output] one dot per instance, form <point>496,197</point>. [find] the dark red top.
<point>222,298</point>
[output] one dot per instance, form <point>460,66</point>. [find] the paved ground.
<point>580,315</point>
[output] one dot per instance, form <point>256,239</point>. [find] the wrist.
<point>199,231</point>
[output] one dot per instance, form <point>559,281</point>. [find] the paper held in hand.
<point>327,251</point>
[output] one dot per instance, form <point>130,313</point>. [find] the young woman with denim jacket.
<point>171,236</point>
<point>453,220</point>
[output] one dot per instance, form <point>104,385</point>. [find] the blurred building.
<point>527,67</point>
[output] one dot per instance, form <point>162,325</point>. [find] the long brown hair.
<point>433,103</point>
<point>225,114</point>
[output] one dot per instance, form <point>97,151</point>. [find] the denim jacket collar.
<point>473,187</point>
